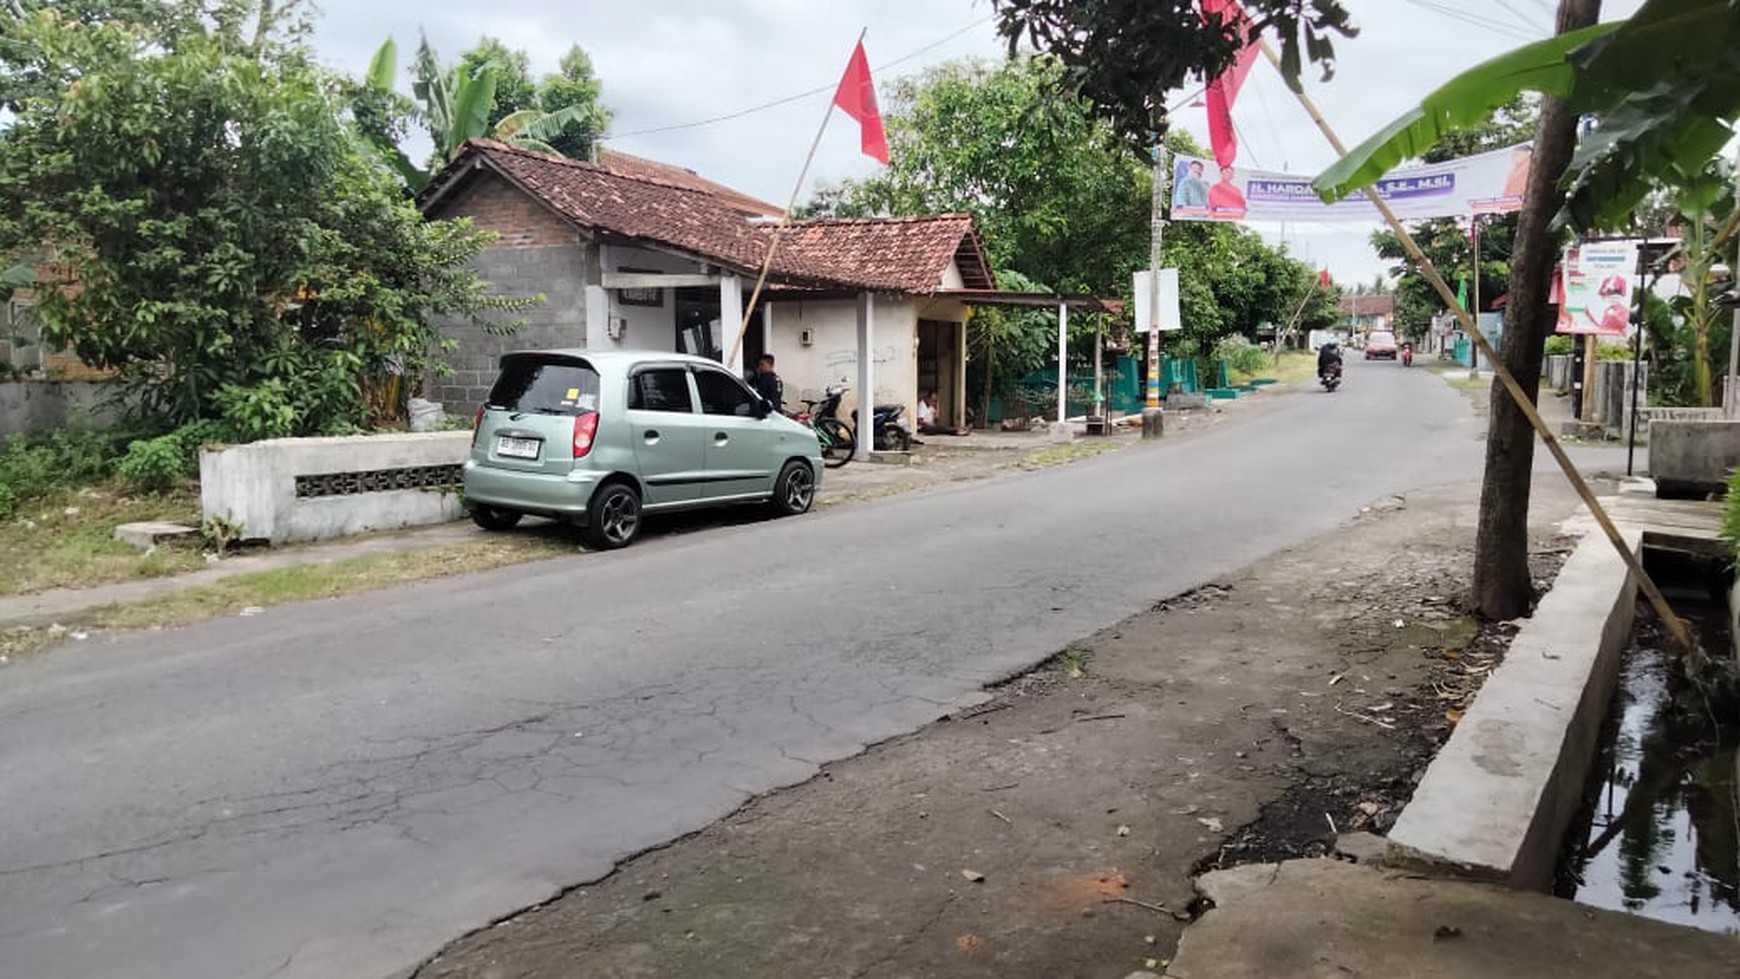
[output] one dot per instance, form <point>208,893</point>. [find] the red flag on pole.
<point>1224,90</point>
<point>1323,278</point>
<point>857,97</point>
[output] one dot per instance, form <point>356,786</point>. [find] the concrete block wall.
<point>537,253</point>
<point>37,406</point>
<point>254,485</point>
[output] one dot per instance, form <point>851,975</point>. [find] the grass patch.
<point>1296,367</point>
<point>1072,663</point>
<point>1067,452</point>
<point>65,539</point>
<point>308,582</point>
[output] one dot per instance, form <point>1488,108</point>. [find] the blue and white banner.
<point>1487,183</point>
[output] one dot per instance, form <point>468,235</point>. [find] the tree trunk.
<point>1502,586</point>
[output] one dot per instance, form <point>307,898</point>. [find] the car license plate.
<point>516,448</point>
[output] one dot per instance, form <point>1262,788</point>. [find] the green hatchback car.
<point>601,437</point>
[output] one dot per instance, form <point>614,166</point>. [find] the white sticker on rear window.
<point>588,402</point>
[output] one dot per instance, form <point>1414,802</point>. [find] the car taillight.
<point>585,430</point>
<point>476,423</point>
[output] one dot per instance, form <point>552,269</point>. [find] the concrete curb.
<point>1496,800</point>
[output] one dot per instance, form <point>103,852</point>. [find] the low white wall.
<point>347,484</point>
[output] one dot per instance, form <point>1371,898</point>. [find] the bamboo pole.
<point>779,229</point>
<point>1675,626</point>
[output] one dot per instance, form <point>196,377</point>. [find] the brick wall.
<point>537,253</point>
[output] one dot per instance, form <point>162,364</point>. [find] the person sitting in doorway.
<point>927,422</point>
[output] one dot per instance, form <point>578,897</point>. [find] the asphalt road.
<point>338,788</point>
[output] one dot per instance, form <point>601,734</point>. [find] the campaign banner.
<point>1596,286</point>
<point>1487,183</point>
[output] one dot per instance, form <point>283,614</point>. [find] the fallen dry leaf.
<point>974,876</point>
<point>968,942</point>
<point>1453,715</point>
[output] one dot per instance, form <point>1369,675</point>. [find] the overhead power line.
<point>776,103</point>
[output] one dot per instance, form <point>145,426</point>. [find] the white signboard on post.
<point>1169,317</point>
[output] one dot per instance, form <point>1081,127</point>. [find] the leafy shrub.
<point>1558,344</point>
<point>158,464</point>
<point>32,466</point>
<point>1241,355</point>
<point>1731,516</point>
<point>154,464</point>
<point>257,411</point>
<point>1613,350</point>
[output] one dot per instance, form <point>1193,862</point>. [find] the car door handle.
<point>651,435</point>
<point>721,438</point>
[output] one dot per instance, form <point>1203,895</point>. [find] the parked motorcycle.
<point>1330,378</point>
<point>888,432</point>
<point>1407,355</point>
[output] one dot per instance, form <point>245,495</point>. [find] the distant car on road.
<point>1380,344</point>
<point>596,437</point>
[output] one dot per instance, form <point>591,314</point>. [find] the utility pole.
<point>1157,224</point>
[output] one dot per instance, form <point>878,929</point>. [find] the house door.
<point>939,366</point>
<point>698,328</point>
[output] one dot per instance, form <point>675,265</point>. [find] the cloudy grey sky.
<point>668,65</point>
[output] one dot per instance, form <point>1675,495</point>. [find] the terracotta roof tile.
<point>655,202</point>
<point>1383,305</point>
<point>635,166</point>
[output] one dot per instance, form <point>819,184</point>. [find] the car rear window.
<point>1389,338</point>
<point>545,386</point>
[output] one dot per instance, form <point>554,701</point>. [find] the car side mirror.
<point>762,408</point>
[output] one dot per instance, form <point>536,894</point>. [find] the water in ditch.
<point>1659,829</point>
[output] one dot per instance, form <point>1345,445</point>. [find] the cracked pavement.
<point>339,788</point>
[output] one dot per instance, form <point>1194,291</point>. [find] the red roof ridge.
<point>556,158</point>
<point>947,216</point>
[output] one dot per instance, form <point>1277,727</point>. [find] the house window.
<point>21,337</point>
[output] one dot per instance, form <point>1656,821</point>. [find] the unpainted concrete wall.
<point>38,406</point>
<point>536,253</point>
<point>1693,456</point>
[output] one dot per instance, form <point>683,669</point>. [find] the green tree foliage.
<point>220,236</point>
<point>1056,197</point>
<point>574,89</point>
<point>514,90</point>
<point>1126,55</point>
<point>465,101</point>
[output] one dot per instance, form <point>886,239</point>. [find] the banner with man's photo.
<point>1486,183</point>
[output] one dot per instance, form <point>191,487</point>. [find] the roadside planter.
<point>284,490</point>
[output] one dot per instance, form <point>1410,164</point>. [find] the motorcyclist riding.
<point>1328,359</point>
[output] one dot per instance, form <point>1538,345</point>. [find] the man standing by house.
<point>767,383</point>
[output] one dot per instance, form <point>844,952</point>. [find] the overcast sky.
<point>671,65</point>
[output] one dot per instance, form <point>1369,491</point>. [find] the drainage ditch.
<point>1658,832</point>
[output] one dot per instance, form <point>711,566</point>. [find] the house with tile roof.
<point>631,253</point>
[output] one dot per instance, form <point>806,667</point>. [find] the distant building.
<point>1362,314</point>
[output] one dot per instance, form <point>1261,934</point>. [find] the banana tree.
<point>455,104</point>
<point>1706,213</point>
